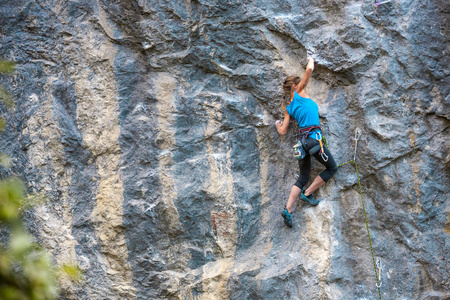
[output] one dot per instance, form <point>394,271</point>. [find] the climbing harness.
<point>299,149</point>
<point>377,272</point>
<point>303,133</point>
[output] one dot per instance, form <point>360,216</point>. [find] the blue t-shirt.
<point>304,110</point>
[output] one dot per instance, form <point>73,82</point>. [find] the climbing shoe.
<point>310,199</point>
<point>287,217</point>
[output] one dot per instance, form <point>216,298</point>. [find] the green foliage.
<point>7,66</point>
<point>25,268</point>
<point>73,272</point>
<point>6,97</point>
<point>2,124</point>
<point>11,193</point>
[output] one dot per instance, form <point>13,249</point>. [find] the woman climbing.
<point>306,112</point>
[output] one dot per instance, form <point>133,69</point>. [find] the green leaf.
<point>32,200</point>
<point>11,195</point>
<point>19,244</point>
<point>73,272</point>
<point>10,292</point>
<point>6,97</point>
<point>5,160</point>
<point>14,189</point>
<point>7,66</point>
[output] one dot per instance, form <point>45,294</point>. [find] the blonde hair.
<point>287,88</point>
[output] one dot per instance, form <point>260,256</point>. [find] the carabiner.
<point>319,137</point>
<point>357,133</point>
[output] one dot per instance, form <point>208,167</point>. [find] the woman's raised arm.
<point>308,72</point>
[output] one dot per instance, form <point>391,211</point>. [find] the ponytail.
<point>287,88</point>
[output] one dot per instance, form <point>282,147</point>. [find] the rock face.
<point>149,126</point>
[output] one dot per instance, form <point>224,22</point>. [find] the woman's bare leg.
<point>317,183</point>
<point>295,192</point>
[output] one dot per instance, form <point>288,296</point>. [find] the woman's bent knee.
<point>301,182</point>
<point>328,173</point>
<point>333,170</point>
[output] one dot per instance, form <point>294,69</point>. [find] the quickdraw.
<point>379,272</point>
<point>357,136</point>
<point>322,153</point>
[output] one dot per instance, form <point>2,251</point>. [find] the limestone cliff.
<point>149,126</point>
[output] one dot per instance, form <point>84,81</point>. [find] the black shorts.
<point>305,164</point>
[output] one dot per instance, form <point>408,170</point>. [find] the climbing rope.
<point>377,273</point>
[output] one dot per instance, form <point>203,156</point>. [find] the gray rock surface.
<point>149,125</point>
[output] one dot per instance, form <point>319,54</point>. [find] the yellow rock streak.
<point>263,175</point>
<point>165,94</point>
<point>98,120</point>
<point>45,151</point>
<point>224,218</point>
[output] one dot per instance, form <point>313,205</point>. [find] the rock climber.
<point>306,112</point>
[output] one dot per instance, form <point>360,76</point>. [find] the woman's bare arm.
<point>283,126</point>
<point>308,72</point>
